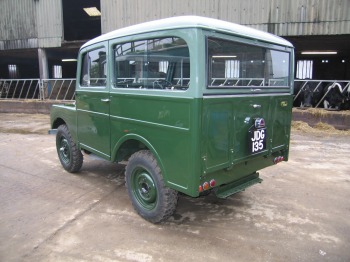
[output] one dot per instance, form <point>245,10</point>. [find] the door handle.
<point>255,106</point>
<point>106,100</point>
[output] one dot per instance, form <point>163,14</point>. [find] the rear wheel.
<point>150,197</point>
<point>70,156</point>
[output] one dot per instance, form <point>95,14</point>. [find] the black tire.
<point>150,197</point>
<point>70,156</point>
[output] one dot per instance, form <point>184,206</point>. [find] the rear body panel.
<point>226,144</point>
<point>228,120</point>
<point>162,124</point>
<point>64,114</point>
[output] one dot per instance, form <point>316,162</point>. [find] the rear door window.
<point>238,65</point>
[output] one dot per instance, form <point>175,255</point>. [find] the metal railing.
<point>40,89</point>
<point>19,88</point>
<point>59,89</point>
<point>64,89</point>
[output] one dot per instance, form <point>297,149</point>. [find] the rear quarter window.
<point>159,63</point>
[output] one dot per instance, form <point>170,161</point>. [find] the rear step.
<point>237,186</point>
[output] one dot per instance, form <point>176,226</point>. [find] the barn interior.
<point>79,26</point>
<point>329,61</point>
<point>330,55</point>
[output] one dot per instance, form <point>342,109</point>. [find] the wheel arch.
<point>57,122</point>
<point>132,143</point>
<point>64,115</point>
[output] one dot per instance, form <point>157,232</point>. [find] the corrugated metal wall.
<point>39,23</point>
<point>49,23</point>
<point>30,24</point>
<point>17,30</point>
<point>281,17</point>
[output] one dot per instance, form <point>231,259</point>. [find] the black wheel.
<point>150,197</point>
<point>70,156</point>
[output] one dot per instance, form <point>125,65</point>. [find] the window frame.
<point>146,39</point>
<point>254,43</point>
<point>83,53</point>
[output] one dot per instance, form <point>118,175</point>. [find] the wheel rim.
<point>64,150</point>
<point>144,189</point>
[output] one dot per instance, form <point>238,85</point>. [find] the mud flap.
<point>237,186</point>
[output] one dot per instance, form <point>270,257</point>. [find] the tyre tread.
<point>77,156</point>
<point>169,196</point>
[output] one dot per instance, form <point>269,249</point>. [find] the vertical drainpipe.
<point>44,72</point>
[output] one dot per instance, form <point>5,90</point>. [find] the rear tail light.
<point>200,189</point>
<point>207,185</point>
<point>212,183</point>
<point>278,159</point>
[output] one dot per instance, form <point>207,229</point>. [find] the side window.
<point>94,68</point>
<point>161,63</point>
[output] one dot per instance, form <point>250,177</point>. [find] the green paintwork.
<point>163,125</point>
<point>67,114</point>
<point>93,121</point>
<point>226,122</point>
<point>196,135</point>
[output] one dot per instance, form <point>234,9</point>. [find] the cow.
<point>302,94</point>
<point>334,97</point>
<point>307,93</point>
<point>346,93</point>
<point>4,89</point>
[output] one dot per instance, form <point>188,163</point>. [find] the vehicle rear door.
<point>247,101</point>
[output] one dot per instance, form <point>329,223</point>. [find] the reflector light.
<point>200,189</point>
<point>206,186</point>
<point>212,183</point>
<point>278,159</point>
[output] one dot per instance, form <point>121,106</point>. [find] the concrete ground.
<point>299,213</point>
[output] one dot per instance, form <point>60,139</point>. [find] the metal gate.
<point>38,89</point>
<point>321,92</point>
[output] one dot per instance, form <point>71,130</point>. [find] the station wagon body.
<point>195,104</point>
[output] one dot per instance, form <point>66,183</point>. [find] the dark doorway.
<point>78,24</point>
<point>334,66</point>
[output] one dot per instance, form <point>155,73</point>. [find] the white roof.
<point>191,22</point>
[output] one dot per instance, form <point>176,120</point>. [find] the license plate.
<point>257,140</point>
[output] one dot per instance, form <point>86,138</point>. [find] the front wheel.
<point>70,156</point>
<point>150,197</point>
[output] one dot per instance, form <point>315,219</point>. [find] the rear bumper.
<point>237,186</point>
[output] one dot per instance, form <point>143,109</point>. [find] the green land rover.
<point>195,105</point>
